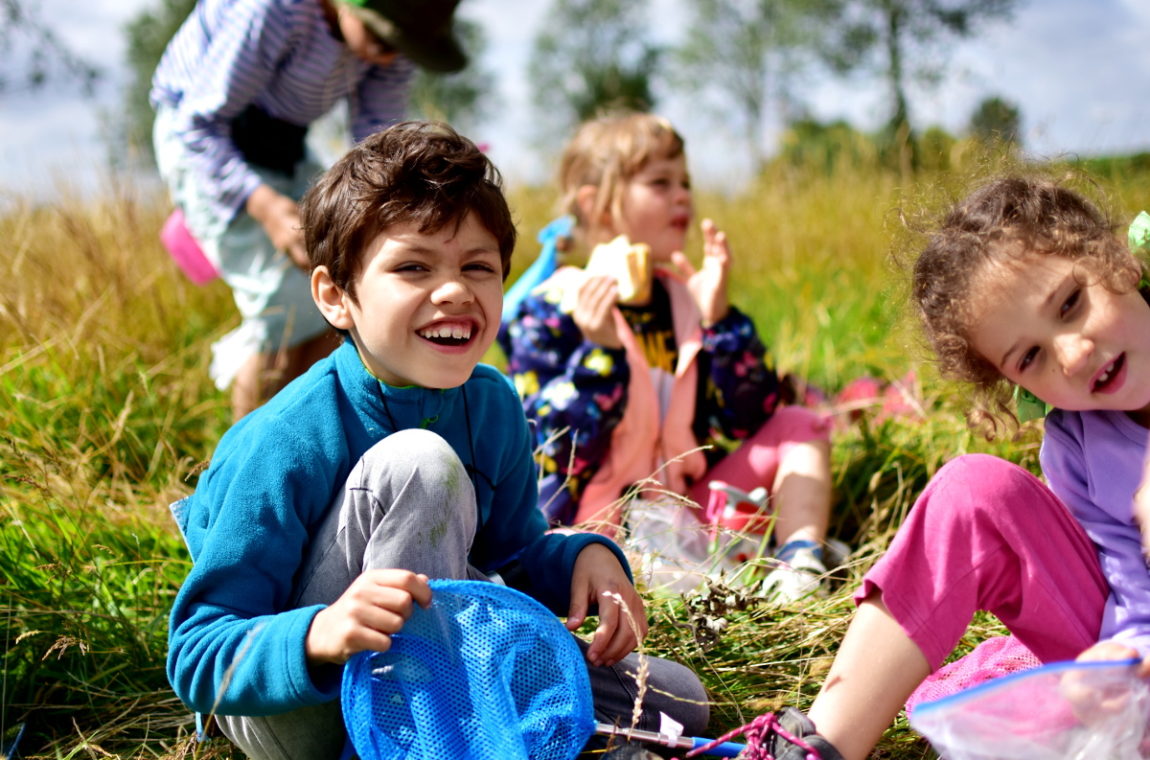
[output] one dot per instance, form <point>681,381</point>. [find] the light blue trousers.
<point>272,294</point>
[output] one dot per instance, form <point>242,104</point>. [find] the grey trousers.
<point>409,503</point>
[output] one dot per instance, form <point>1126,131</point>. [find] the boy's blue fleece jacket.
<point>271,481</point>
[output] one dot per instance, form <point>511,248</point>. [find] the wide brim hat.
<point>422,30</point>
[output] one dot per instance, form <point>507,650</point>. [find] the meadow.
<point>108,414</point>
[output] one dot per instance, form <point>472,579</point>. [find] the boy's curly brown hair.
<point>417,172</point>
<point>1006,219</point>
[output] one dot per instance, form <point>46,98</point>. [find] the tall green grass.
<point>108,413</point>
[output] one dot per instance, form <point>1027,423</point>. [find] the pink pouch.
<point>185,250</point>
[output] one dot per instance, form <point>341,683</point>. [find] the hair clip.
<point>1138,236</point>
<point>1028,406</point>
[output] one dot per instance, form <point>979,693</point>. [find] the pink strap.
<point>757,733</point>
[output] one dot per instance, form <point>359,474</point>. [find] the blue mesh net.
<point>485,672</point>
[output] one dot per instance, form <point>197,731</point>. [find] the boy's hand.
<point>375,605</point>
<point>279,216</point>
<point>594,311</point>
<point>599,578</point>
<point>708,285</point>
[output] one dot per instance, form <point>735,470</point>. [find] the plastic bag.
<point>676,552</point>
<point>1061,711</point>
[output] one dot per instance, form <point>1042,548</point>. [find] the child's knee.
<point>689,703</point>
<point>412,446</point>
<point>985,478</point>
<point>795,424</point>
<point>985,490</point>
<point>805,424</point>
<point>414,463</point>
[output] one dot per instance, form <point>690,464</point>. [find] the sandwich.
<point>629,264</point>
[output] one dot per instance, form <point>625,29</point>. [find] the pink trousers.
<point>987,535</point>
<point>756,461</point>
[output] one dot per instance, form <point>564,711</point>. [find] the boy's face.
<point>428,303</point>
<point>657,206</point>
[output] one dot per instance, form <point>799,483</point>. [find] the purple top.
<point>279,55</point>
<point>1093,462</point>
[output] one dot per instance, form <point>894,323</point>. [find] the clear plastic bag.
<point>1061,711</point>
<point>673,550</point>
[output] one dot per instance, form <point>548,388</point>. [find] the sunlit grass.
<point>108,412</point>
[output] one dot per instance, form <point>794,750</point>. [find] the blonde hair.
<point>607,152</point>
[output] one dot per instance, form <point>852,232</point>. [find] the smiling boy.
<point>397,459</point>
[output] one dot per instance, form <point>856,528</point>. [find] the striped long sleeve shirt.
<point>279,55</point>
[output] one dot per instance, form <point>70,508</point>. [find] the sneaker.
<point>795,725</point>
<point>798,574</point>
<point>835,553</point>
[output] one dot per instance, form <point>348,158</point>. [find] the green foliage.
<point>147,35</point>
<point>811,144</point>
<point>934,148</point>
<point>995,119</point>
<point>745,55</point>
<point>29,45</point>
<point>901,39</point>
<point>1115,168</point>
<point>833,146</point>
<point>592,55</point>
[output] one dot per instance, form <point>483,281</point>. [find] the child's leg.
<point>984,535</point>
<point>407,503</point>
<point>672,688</point>
<point>264,374</point>
<point>876,668</point>
<point>802,491</point>
<point>790,455</point>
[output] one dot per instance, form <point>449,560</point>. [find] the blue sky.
<point>1078,69</point>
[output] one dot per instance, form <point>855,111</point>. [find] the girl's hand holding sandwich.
<point>593,312</point>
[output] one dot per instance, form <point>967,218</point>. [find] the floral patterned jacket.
<point>575,392</point>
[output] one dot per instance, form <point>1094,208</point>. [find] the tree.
<point>825,147</point>
<point>590,56</point>
<point>148,35</point>
<point>28,45</point>
<point>996,120</point>
<point>903,38</point>
<point>746,51</point>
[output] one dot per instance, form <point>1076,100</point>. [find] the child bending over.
<point>234,94</point>
<point>621,393</point>
<point>396,459</point>
<point>1024,284</point>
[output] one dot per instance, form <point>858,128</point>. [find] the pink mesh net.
<point>997,656</point>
